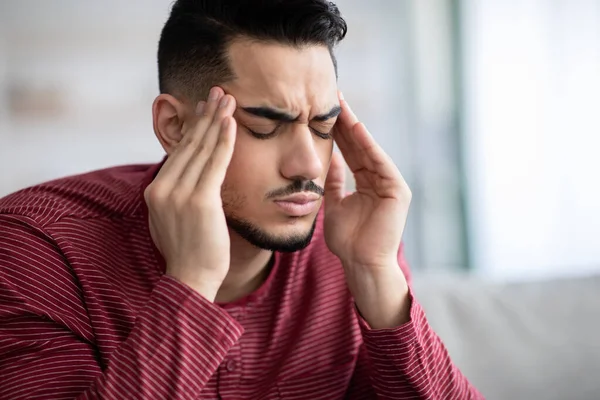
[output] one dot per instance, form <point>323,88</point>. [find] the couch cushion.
<point>534,340</point>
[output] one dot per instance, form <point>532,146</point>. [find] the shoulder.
<point>104,192</point>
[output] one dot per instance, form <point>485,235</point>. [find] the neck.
<point>249,267</point>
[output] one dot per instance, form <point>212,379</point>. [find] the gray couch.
<point>519,341</point>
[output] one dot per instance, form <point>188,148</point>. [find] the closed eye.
<point>264,136</point>
<point>274,132</point>
<point>321,134</point>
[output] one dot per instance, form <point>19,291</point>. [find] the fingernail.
<point>224,102</point>
<point>341,95</point>
<point>213,94</point>
<point>200,108</point>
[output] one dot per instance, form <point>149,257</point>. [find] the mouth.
<point>299,204</point>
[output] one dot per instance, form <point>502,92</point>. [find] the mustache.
<point>296,187</point>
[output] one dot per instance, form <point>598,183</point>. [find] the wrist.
<point>206,286</point>
<point>381,295</point>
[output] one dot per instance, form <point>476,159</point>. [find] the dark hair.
<point>192,51</point>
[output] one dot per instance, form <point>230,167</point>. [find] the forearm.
<point>178,341</point>
<point>176,346</point>
<point>410,360</point>
<point>381,295</point>
<point>402,356</point>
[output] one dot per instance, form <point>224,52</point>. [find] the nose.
<point>302,158</point>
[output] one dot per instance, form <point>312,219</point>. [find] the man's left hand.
<point>364,229</point>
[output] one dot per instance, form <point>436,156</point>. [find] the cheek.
<point>237,188</point>
<point>325,150</point>
<point>251,165</point>
<point>233,200</point>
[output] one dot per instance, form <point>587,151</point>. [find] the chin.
<point>284,236</point>
<point>291,229</point>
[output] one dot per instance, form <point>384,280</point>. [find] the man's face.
<point>287,105</point>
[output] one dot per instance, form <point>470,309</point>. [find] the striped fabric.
<point>87,312</point>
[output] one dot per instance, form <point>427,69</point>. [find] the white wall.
<point>532,76</point>
<point>533,136</point>
<point>99,61</point>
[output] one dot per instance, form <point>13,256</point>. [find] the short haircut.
<point>193,46</point>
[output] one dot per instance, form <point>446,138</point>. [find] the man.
<point>237,268</point>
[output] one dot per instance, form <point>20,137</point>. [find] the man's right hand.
<point>186,217</point>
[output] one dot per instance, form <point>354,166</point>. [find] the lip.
<point>300,198</point>
<point>299,204</point>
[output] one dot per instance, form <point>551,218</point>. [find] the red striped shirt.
<point>87,312</point>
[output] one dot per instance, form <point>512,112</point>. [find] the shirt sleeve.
<point>47,348</point>
<point>409,361</point>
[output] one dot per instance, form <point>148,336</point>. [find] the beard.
<point>254,234</point>
<point>263,240</point>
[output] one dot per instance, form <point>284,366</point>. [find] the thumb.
<point>334,183</point>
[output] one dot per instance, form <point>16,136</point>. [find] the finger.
<point>227,107</point>
<point>378,161</point>
<point>360,149</point>
<point>349,151</point>
<point>215,169</point>
<point>347,118</point>
<point>193,171</point>
<point>203,118</point>
<point>344,137</point>
<point>177,161</point>
<point>335,182</point>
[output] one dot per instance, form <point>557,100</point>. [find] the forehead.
<point>297,79</point>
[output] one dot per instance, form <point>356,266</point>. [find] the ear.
<point>168,117</point>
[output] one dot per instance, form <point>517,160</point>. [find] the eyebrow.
<point>274,115</point>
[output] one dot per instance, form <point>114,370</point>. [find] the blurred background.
<point>490,108</point>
